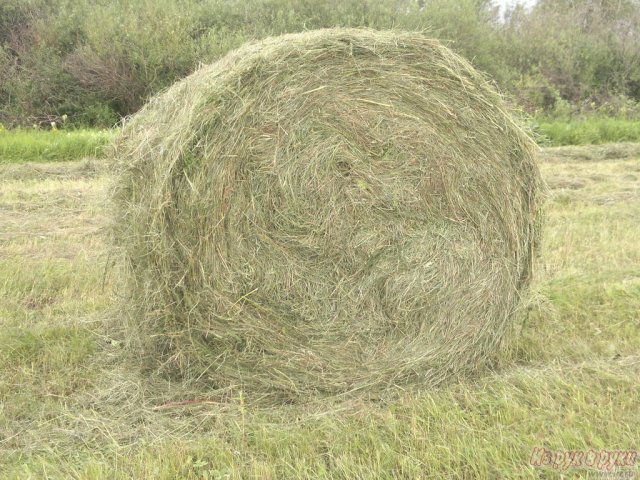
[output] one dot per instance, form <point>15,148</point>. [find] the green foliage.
<point>579,51</point>
<point>97,61</point>
<point>131,50</point>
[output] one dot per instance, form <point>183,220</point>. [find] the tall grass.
<point>18,146</point>
<point>587,131</point>
<point>41,146</point>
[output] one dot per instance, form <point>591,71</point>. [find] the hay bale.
<point>328,212</point>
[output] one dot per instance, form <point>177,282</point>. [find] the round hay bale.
<point>325,213</point>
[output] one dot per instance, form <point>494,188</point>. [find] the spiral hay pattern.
<point>336,212</point>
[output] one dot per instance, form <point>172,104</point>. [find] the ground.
<point>74,405</point>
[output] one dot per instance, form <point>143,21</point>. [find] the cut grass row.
<point>20,146</point>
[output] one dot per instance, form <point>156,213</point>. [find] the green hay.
<point>337,212</point>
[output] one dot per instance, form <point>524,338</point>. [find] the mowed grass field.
<point>73,403</point>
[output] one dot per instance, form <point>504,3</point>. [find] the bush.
<point>97,61</point>
<point>584,50</point>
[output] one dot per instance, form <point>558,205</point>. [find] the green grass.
<point>73,405</point>
<point>51,145</point>
<point>587,131</point>
<point>19,146</point>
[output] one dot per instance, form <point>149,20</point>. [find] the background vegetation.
<point>94,61</point>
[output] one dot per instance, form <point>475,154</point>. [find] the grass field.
<point>73,405</point>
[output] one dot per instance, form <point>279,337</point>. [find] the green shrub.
<point>97,61</point>
<point>586,50</point>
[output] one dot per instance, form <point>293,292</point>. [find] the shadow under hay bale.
<point>334,212</point>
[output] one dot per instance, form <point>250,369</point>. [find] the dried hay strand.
<point>336,212</point>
